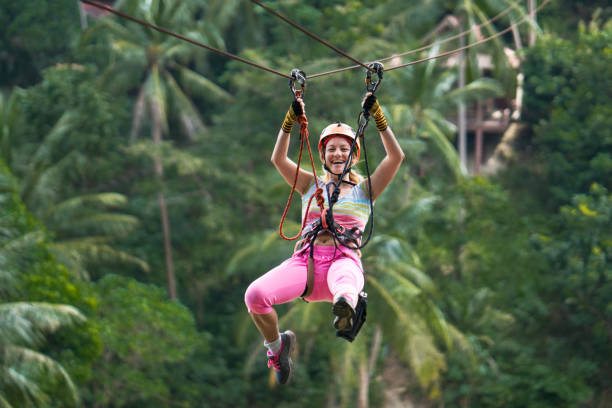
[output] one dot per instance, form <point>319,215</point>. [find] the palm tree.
<point>83,225</point>
<point>429,90</point>
<point>24,325</point>
<point>157,67</point>
<point>7,121</point>
<point>417,22</point>
<point>470,14</point>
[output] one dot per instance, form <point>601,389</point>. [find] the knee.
<point>255,300</point>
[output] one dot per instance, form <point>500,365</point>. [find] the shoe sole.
<point>292,342</point>
<point>344,315</point>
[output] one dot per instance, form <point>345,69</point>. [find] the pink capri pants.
<point>341,274</point>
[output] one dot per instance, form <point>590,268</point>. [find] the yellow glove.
<point>294,111</point>
<point>371,105</point>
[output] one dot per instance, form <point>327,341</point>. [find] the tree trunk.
<point>167,245</point>
<point>366,369</point>
<point>82,16</point>
<point>478,137</point>
<point>163,209</point>
<point>532,13</point>
<point>462,110</point>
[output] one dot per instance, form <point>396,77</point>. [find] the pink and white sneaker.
<point>281,361</point>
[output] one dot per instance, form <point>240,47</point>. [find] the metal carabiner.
<point>378,68</point>
<point>300,77</point>
<point>362,121</point>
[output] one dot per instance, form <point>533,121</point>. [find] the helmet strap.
<point>338,175</point>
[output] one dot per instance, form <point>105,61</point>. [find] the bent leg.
<point>280,285</point>
<point>267,324</point>
<point>345,278</point>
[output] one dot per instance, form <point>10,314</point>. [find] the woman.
<point>338,273</point>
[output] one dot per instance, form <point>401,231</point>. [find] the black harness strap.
<point>347,238</point>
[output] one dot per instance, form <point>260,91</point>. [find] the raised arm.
<point>285,166</point>
<point>390,164</point>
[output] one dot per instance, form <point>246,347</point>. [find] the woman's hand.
<point>371,105</point>
<point>296,109</point>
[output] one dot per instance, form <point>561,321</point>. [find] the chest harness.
<point>349,238</point>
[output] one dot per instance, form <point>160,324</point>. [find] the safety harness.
<point>349,238</point>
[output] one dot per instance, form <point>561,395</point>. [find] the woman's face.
<point>337,150</point>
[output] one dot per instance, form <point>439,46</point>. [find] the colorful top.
<point>351,210</point>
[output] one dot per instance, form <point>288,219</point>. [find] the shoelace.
<point>274,361</point>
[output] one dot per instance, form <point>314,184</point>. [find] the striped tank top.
<point>351,210</point>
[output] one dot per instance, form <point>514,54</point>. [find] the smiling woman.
<point>324,267</point>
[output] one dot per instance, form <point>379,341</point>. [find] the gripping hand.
<point>371,105</point>
<point>294,111</point>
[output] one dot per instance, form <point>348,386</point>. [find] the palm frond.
<point>77,205</point>
<point>223,12</point>
<point>480,88</point>
<point>258,246</point>
<point>78,254</point>
<point>8,184</point>
<point>26,322</point>
<point>139,113</point>
<point>103,26</point>
<point>201,86</point>
<point>190,117</point>
<point>24,357</point>
<point>4,403</point>
<point>110,224</point>
<point>129,50</point>
<point>448,128</point>
<point>41,158</point>
<point>444,85</point>
<point>410,336</point>
<point>28,389</point>
<point>445,149</point>
<point>21,243</point>
<point>461,341</point>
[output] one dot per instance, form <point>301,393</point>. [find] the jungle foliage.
<point>137,203</point>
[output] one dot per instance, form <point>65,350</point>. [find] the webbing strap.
<point>318,194</point>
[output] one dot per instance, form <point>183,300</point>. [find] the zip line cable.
<point>484,40</point>
<point>180,37</point>
<point>425,47</point>
<point>311,35</point>
<point>237,58</point>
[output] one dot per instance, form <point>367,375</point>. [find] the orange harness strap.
<point>318,194</point>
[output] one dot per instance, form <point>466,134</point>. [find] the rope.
<point>360,64</point>
<point>311,35</point>
<point>180,37</point>
<point>425,47</point>
<point>444,54</point>
<point>318,194</point>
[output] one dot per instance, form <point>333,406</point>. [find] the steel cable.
<point>181,37</point>
<point>311,35</point>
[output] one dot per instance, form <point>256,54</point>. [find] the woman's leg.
<point>267,324</point>
<point>345,281</point>
<point>282,284</point>
<point>345,278</point>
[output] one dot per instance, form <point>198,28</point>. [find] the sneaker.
<point>344,313</point>
<point>282,360</point>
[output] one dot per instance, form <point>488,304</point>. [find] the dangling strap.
<point>310,269</point>
<point>318,194</point>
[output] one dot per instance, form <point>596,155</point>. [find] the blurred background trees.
<point>138,202</point>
